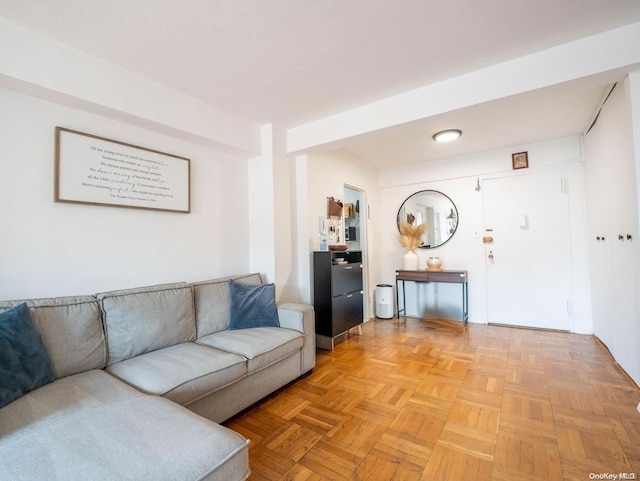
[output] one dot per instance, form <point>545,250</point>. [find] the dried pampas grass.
<point>411,236</point>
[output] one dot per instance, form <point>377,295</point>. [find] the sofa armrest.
<point>301,317</point>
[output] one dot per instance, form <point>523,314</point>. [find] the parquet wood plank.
<point>475,415</point>
<point>319,418</point>
<point>435,406</point>
<point>479,396</point>
<point>374,468</point>
<point>418,426</point>
<point>300,473</point>
<point>440,387</point>
<point>293,441</point>
<point>332,460</point>
<point>399,450</point>
<point>285,405</point>
<point>340,399</point>
<point>268,465</point>
<point>424,400</point>
<point>593,446</point>
<point>390,394</point>
<point>447,464</point>
<point>537,459</point>
<point>528,429</point>
<point>468,440</point>
<point>380,413</point>
<point>357,433</point>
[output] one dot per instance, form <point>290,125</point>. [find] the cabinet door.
<point>346,278</point>
<point>347,312</point>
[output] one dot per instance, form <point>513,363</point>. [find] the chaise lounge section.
<point>143,376</point>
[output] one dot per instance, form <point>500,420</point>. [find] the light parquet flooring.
<point>416,400</point>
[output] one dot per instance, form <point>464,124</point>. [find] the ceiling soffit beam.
<point>39,66</point>
<point>612,50</point>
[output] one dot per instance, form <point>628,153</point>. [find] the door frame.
<point>562,171</point>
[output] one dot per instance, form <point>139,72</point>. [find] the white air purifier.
<point>384,301</point>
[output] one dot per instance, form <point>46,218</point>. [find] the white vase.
<point>410,261</point>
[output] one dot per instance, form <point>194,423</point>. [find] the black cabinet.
<point>337,294</point>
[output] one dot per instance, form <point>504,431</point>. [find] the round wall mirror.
<point>437,210</point>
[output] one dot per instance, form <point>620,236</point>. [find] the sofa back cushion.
<point>71,330</point>
<point>146,319</point>
<point>212,302</point>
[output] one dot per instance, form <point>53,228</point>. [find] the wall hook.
<point>478,184</point>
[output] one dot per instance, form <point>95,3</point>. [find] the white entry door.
<point>529,259</point>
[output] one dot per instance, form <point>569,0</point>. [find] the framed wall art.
<point>98,171</point>
<point>520,160</point>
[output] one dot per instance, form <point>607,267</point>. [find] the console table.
<point>449,277</point>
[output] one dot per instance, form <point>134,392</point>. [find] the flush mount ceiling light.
<point>447,135</point>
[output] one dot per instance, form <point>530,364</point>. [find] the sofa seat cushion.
<point>182,373</point>
<point>92,426</point>
<point>262,346</point>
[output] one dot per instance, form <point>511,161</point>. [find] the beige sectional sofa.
<point>142,377</point>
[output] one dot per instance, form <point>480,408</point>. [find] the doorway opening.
<point>355,234</point>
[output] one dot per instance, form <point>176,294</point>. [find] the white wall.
<point>326,176</point>
<point>611,167</point>
<point>272,208</point>
<point>51,249</point>
<point>457,178</point>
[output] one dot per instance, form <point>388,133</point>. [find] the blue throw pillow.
<point>24,362</point>
<point>252,305</point>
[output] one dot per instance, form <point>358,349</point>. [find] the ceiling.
<point>289,62</point>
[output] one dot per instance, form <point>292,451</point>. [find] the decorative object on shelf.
<point>322,232</point>
<point>520,160</point>
<point>338,248</point>
<point>410,239</point>
<point>434,264</point>
<point>452,222</point>
<point>334,207</point>
<point>323,242</point>
<point>334,231</point>
<point>411,235</point>
<point>410,261</point>
<point>350,211</point>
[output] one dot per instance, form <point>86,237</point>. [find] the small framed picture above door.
<point>520,160</point>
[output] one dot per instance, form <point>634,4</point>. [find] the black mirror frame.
<point>436,192</point>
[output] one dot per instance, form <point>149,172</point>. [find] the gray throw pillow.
<point>252,305</point>
<point>24,362</point>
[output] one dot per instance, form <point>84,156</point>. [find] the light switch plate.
<point>522,220</point>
